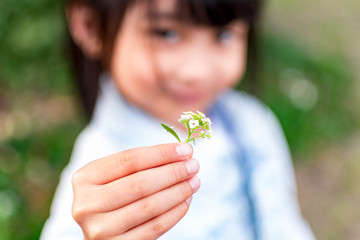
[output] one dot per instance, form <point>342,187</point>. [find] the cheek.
<point>234,69</point>
<point>133,72</point>
<point>141,69</point>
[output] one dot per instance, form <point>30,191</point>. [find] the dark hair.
<point>111,13</point>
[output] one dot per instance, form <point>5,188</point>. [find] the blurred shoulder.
<point>257,128</point>
<point>258,124</point>
<point>246,106</point>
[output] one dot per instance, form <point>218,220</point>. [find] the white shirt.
<point>220,209</point>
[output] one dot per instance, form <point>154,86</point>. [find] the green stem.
<point>190,133</point>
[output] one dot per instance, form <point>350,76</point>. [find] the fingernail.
<point>188,201</point>
<point>184,150</point>
<point>192,166</point>
<point>195,183</point>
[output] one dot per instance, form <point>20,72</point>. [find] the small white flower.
<point>201,114</point>
<point>197,124</point>
<point>193,124</point>
<point>188,113</point>
<point>186,117</point>
<point>207,121</point>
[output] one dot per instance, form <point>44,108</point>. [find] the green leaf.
<point>170,130</point>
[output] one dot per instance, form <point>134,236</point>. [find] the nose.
<point>197,66</point>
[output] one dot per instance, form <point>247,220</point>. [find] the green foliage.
<point>33,72</point>
<point>170,130</point>
<point>29,172</point>
<point>31,46</point>
<point>310,94</point>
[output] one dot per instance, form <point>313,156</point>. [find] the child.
<point>157,59</point>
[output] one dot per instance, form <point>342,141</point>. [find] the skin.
<point>164,69</point>
<point>138,199</point>
<point>182,69</point>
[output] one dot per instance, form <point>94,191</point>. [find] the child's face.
<point>169,66</point>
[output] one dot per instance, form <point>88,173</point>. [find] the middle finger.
<point>141,184</point>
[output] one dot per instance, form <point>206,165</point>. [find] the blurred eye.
<point>225,35</point>
<point>166,34</point>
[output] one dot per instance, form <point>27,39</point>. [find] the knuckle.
<point>128,160</point>
<point>182,209</point>
<point>163,153</point>
<point>77,178</point>
<point>95,231</point>
<point>137,188</point>
<point>148,208</point>
<point>177,173</point>
<point>79,212</point>
<point>185,190</point>
<point>161,225</point>
<point>158,228</point>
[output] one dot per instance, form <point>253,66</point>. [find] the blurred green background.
<point>309,76</point>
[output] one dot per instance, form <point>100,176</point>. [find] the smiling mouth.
<point>186,98</point>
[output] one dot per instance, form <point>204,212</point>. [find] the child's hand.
<point>135,194</point>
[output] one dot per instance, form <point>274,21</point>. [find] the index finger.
<point>118,165</point>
